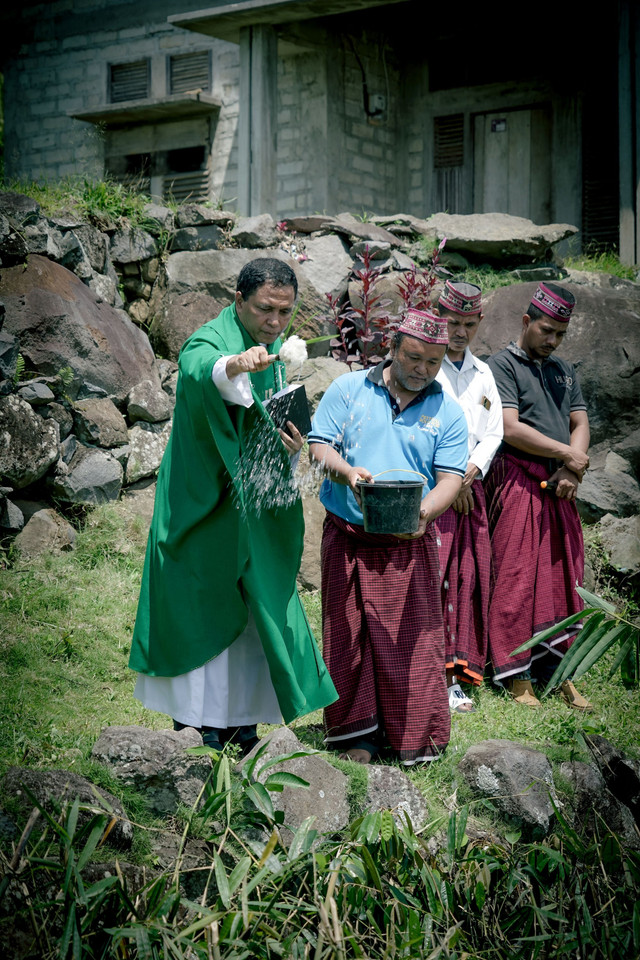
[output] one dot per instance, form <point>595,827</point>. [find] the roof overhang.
<point>179,106</point>
<point>225,21</point>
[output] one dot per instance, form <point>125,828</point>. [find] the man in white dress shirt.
<point>465,549</point>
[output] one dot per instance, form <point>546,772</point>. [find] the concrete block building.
<point>303,106</point>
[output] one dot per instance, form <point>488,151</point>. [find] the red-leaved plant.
<point>364,332</point>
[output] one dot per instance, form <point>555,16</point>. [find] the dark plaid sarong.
<point>538,559</point>
<point>465,571</point>
<point>383,640</point>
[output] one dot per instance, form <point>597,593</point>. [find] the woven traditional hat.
<point>424,326</point>
<point>552,303</point>
<point>463,298</point>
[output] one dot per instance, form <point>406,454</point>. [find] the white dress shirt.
<point>475,390</point>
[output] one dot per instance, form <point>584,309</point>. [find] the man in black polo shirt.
<point>536,538</point>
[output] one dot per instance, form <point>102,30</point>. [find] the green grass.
<point>604,261</point>
<point>65,632</point>
<point>101,202</point>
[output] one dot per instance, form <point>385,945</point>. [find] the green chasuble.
<point>227,533</point>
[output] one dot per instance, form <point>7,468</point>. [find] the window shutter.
<point>448,146</point>
<point>190,71</point>
<point>129,81</point>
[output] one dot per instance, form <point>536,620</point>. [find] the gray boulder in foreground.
<point>64,786</point>
<point>517,779</point>
<point>156,763</point>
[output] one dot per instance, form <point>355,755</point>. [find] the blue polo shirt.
<point>361,420</point>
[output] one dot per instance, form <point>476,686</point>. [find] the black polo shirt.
<point>544,392</point>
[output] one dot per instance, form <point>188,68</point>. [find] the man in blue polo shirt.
<point>382,618</point>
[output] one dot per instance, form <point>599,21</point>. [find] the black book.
<point>290,404</point>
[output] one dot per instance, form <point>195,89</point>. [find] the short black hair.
<point>265,270</point>
<point>534,312</point>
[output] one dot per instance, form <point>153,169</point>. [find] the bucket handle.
<point>400,470</point>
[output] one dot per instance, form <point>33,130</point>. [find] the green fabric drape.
<point>220,539</point>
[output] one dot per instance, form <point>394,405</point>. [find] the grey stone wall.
<point>63,69</point>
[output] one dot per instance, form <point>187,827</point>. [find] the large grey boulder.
<point>91,476</point>
<point>131,245</point>
<point>28,444</point>
<point>389,788</point>
<point>147,443</point>
<point>498,237</point>
<point>326,798</point>
<point>254,232</point>
<point>148,401</point>
<point>620,540</point>
<point>593,806</point>
<point>99,422</point>
<point>348,226</point>
<point>327,267</point>
<point>11,516</point>
<point>620,773</point>
<point>517,779</point>
<point>60,324</point>
<point>62,786</point>
<point>45,532</point>
<point>156,763</point>
<point>608,491</point>
<point>196,214</point>
<point>177,315</point>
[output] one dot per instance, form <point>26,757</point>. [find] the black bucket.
<point>391,506</point>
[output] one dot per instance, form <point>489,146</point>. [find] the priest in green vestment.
<point>221,641</point>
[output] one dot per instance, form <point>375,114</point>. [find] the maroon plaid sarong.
<point>538,558</point>
<point>465,571</point>
<point>383,640</point>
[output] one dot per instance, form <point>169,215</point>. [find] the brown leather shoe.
<point>574,699</point>
<point>522,692</point>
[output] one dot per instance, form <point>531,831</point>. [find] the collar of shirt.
<point>523,355</point>
<point>468,361</point>
<point>375,375</point>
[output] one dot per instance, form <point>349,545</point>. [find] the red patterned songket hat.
<point>424,326</point>
<point>462,298</point>
<point>552,304</point>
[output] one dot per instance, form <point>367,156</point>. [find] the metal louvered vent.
<point>128,81</point>
<point>192,186</point>
<point>448,141</point>
<point>190,71</point>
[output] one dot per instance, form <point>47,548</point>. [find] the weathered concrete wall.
<point>63,69</point>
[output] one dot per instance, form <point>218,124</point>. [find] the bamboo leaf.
<point>260,798</point>
<point>595,601</point>
<point>372,870</point>
<point>94,839</point>
<point>626,646</point>
<point>387,825</point>
<point>221,880</point>
<point>551,631</point>
<point>611,632</point>
<point>302,838</point>
<point>238,873</point>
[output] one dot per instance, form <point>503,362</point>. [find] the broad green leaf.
<point>461,825</point>
<point>551,631</point>
<point>260,798</point>
<point>387,825</point>
<point>480,895</point>
<point>276,781</point>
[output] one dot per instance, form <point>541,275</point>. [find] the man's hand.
<point>253,360</point>
<point>464,502</point>
<point>292,440</point>
<point>576,462</point>
<point>568,481</point>
<point>358,473</point>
